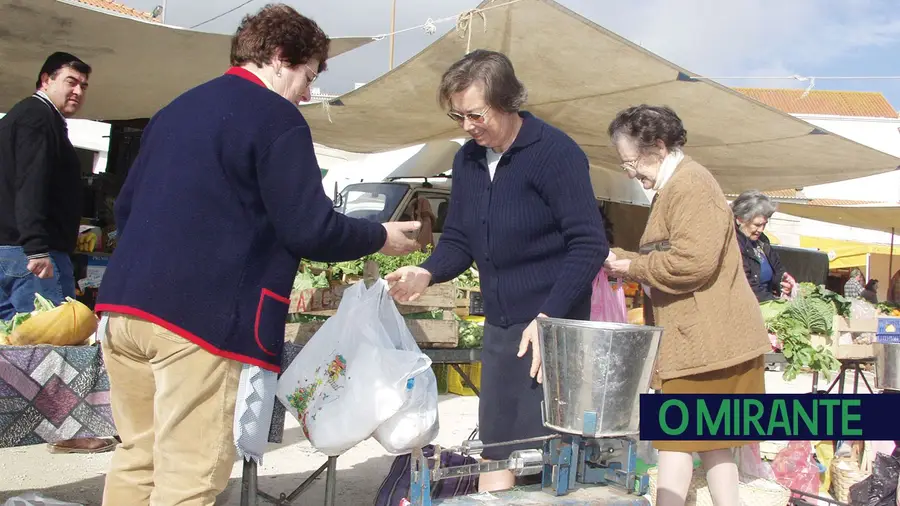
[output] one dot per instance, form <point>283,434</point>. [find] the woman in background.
<point>768,278</point>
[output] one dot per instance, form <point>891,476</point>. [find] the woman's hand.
<point>530,336</point>
<point>787,284</point>
<point>609,259</point>
<point>401,237</point>
<point>618,268</point>
<point>408,283</point>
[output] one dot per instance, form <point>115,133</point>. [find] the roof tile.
<point>118,8</point>
<point>869,104</point>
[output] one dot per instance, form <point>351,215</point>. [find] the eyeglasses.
<point>314,73</point>
<point>474,117</point>
<point>630,166</point>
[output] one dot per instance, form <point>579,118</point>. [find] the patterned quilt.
<point>54,393</point>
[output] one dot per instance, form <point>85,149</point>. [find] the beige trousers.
<point>173,405</point>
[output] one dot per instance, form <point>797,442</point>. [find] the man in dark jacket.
<point>40,199</point>
<point>40,196</point>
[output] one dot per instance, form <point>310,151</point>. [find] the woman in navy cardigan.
<point>523,209</point>
<point>222,202</point>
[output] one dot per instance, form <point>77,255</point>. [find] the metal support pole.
<point>393,24</point>
<point>249,485</point>
<point>891,270</point>
<point>331,482</point>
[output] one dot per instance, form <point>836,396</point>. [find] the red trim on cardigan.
<point>246,74</point>
<point>171,327</point>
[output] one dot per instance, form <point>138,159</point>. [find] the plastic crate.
<point>476,304</point>
<point>455,384</point>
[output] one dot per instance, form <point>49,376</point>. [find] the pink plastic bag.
<point>796,468</point>
<point>608,304</point>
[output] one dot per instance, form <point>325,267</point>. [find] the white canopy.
<point>579,75</point>
<point>138,66</point>
<point>884,218</point>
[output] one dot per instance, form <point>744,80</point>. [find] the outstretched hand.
<point>401,237</point>
<point>530,337</point>
<point>407,283</point>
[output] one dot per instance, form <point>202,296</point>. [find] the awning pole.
<point>890,277</point>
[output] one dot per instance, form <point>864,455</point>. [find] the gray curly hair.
<point>751,204</point>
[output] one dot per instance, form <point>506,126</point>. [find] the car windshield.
<point>372,201</point>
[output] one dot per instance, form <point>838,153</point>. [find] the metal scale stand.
<point>568,463</point>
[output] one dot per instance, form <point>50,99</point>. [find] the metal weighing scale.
<point>594,374</point>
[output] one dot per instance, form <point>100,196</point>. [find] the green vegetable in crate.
<point>794,322</point>
<point>471,334</point>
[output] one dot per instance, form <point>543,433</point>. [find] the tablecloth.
<point>54,393</point>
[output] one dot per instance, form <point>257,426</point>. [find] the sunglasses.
<point>474,117</point>
<point>315,75</point>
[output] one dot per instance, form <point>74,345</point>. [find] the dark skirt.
<point>509,405</point>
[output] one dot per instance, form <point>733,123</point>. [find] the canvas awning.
<point>881,218</point>
<point>846,254</point>
<point>138,66</point>
<point>579,75</point>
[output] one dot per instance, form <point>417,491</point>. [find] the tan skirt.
<point>746,378</point>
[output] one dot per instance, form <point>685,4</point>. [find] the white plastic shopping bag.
<point>351,376</point>
<point>416,423</point>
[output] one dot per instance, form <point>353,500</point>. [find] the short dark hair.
<point>502,89</point>
<point>871,284</point>
<point>58,61</point>
<point>279,28</point>
<point>647,124</point>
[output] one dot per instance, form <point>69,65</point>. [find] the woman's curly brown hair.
<point>647,124</point>
<point>278,27</point>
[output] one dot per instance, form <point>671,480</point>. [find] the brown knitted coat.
<point>699,292</point>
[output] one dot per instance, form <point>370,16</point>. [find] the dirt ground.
<point>79,478</point>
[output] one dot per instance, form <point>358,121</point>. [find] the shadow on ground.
<point>366,478</point>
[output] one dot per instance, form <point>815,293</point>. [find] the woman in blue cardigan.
<point>523,209</point>
<point>222,202</point>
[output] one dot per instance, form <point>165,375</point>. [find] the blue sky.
<point>747,38</point>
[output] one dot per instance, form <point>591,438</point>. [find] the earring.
<point>278,73</point>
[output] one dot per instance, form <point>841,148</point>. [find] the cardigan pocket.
<point>271,315</point>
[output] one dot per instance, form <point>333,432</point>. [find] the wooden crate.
<point>846,351</point>
<point>325,301</point>
<point>443,333</point>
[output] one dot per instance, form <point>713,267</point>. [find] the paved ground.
<point>79,478</point>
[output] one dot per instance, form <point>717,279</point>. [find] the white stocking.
<point>674,479</point>
<point>722,477</point>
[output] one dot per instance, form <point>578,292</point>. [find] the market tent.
<point>138,66</point>
<point>883,218</point>
<point>846,254</point>
<point>579,75</point>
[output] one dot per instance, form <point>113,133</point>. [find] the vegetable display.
<point>71,323</point>
<point>794,322</point>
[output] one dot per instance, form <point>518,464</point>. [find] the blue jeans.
<point>18,285</point>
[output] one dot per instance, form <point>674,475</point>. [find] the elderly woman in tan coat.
<point>689,262</point>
